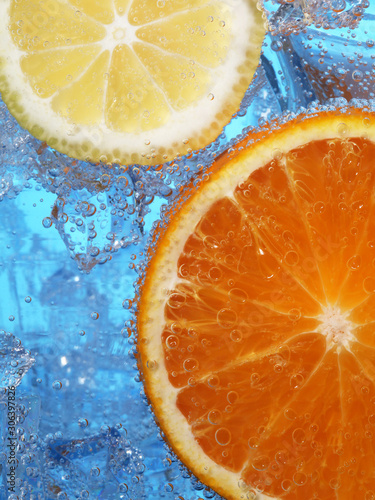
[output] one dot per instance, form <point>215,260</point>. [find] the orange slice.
<point>257,316</point>
<point>127,81</point>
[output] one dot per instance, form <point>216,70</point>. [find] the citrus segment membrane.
<point>49,72</point>
<point>257,322</point>
<point>86,107</point>
<point>143,12</point>
<point>129,81</point>
<point>136,110</point>
<point>101,10</point>
<point>39,25</point>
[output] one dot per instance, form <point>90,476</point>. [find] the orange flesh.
<point>270,388</point>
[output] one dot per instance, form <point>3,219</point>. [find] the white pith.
<point>334,324</point>
<point>182,124</point>
<point>120,31</point>
<point>336,328</point>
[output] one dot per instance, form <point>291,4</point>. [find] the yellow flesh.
<point>78,55</point>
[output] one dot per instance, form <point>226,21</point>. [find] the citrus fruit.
<point>257,315</point>
<point>125,81</point>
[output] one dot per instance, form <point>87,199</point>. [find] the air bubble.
<point>314,428</point>
<point>215,273</point>
<point>168,487</point>
<point>357,11</point>
<point>291,258</point>
<point>27,299</point>
<point>47,222</point>
<point>335,483</point>
<point>172,342</point>
<point>151,364</point>
<point>238,295</point>
<point>210,242</point>
<point>235,336</point>
<point>191,382</point>
<point>299,436</point>
<point>358,205</point>
<point>342,129</point>
<point>83,422</point>
<point>261,463</point>
<point>290,414</point>
<point>294,314</point>
<point>176,328</point>
<point>357,75</point>
<point>354,262</point>
<point>253,443</point>
<point>95,472</point>
<point>123,488</point>
<point>255,378</point>
<point>276,45</point>
<point>288,236</point>
<point>318,453</point>
<point>214,417</point>
<point>226,318</point>
<point>57,385</point>
<point>192,333</point>
<point>341,73</point>
<point>232,397</point>
<point>319,207</point>
<point>213,381</point>
<point>299,478</point>
<point>223,436</point>
<point>296,381</point>
<point>190,365</point>
<point>176,300</point>
<point>126,304</point>
<point>338,5</point>
<point>286,484</point>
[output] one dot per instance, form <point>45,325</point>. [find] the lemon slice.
<point>127,81</point>
<point>256,323</point>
